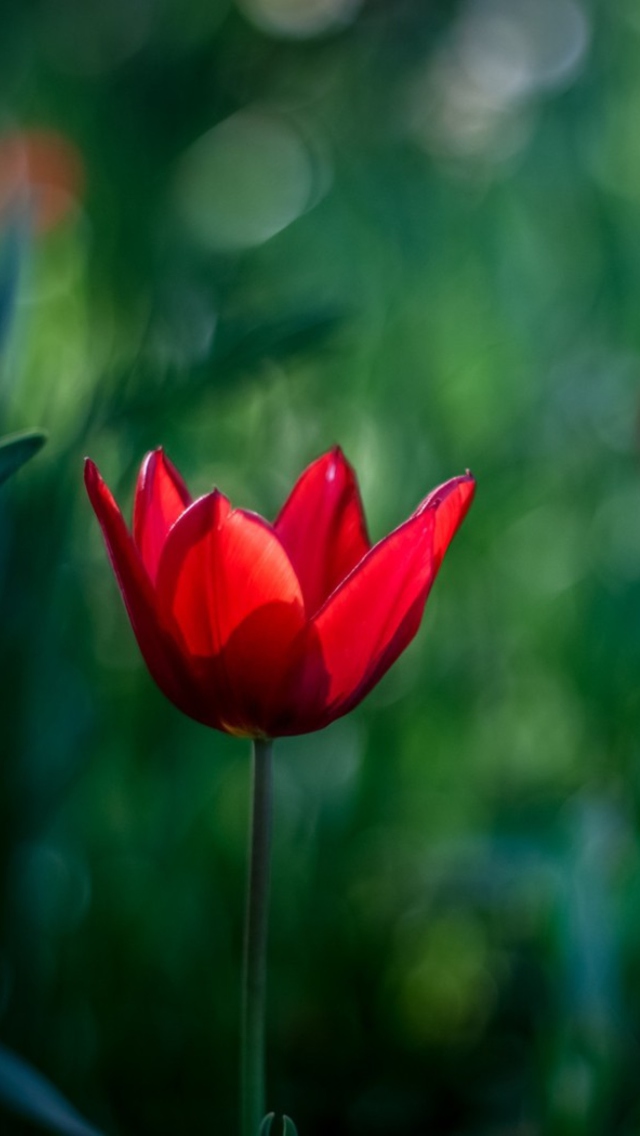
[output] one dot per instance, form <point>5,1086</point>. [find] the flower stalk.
<point>252,1069</point>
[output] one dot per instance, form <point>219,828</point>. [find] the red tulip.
<point>262,630</point>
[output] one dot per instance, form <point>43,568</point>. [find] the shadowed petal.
<point>265,660</point>
<point>322,527</point>
<point>303,689</point>
<point>219,566</point>
<point>160,649</point>
<point>161,496</point>
<point>230,587</point>
<point>374,615</point>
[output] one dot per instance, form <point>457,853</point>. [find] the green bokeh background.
<point>414,230</point>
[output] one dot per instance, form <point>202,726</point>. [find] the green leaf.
<point>17,449</point>
<point>289,1128</point>
<point>265,1127</point>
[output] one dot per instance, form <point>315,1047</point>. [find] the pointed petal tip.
<point>92,478</point>
<point>449,505</point>
<point>339,456</point>
<point>221,504</point>
<point>470,484</point>
<point>149,460</point>
<point>152,456</point>
<point>331,462</point>
<point>465,482</point>
<point>100,496</point>
<point>338,466</point>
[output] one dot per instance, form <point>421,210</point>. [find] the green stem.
<point>255,944</point>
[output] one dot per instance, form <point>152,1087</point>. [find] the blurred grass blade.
<point>29,1094</point>
<point>17,449</point>
<point>288,1127</point>
<point>9,272</point>
<point>265,1127</point>
<point>241,345</point>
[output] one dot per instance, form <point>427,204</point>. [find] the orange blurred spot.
<point>42,172</point>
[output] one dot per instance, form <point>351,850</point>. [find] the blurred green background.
<point>248,231</point>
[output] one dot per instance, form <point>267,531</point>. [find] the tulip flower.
<point>264,630</point>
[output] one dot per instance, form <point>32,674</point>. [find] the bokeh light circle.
<point>246,180</point>
<point>299,19</point>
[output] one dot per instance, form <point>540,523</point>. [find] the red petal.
<point>161,652</point>
<point>322,527</point>
<point>373,616</point>
<point>161,496</point>
<point>451,502</point>
<point>230,586</point>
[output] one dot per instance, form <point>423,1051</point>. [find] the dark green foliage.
<point>447,277</point>
<point>17,449</point>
